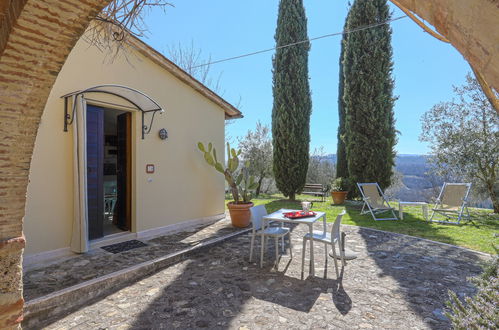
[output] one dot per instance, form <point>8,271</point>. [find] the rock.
<point>382,255</point>
<point>152,291</point>
<point>430,320</point>
<point>81,263</point>
<point>202,323</point>
<point>270,281</point>
<point>243,286</point>
<point>180,303</point>
<point>365,326</point>
<point>370,315</point>
<point>282,319</point>
<point>193,283</point>
<point>439,314</point>
<point>88,276</point>
<point>398,267</point>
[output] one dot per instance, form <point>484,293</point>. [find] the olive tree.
<point>464,138</point>
<point>256,147</point>
<point>321,168</point>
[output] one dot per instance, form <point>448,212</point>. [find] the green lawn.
<point>477,235</point>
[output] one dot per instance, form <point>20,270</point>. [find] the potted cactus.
<point>239,181</point>
<point>339,190</point>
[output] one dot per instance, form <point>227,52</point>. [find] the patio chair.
<point>375,201</point>
<point>452,202</point>
<point>328,239</point>
<point>257,214</point>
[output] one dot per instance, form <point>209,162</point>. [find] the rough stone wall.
<point>471,26</point>
<point>36,36</point>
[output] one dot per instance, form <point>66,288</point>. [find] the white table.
<point>423,205</point>
<point>278,216</point>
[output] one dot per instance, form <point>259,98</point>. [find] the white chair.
<point>257,214</point>
<point>328,239</point>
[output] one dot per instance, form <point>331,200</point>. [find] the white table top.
<point>278,216</point>
<point>413,203</point>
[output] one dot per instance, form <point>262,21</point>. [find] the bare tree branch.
<point>119,20</point>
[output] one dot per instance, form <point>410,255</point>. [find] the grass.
<point>479,234</point>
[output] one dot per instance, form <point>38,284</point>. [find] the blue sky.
<point>425,68</point>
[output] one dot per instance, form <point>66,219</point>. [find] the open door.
<point>123,214</point>
<point>95,171</point>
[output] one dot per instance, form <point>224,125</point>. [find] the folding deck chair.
<point>452,202</point>
<point>375,201</point>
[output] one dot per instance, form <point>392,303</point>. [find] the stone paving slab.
<point>397,282</point>
<point>40,281</point>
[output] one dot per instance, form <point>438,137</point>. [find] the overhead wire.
<point>360,28</point>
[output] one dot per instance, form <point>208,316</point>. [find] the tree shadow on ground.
<point>215,286</point>
<point>424,270</point>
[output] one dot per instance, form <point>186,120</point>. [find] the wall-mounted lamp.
<point>163,134</point>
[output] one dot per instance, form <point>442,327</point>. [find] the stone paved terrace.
<point>43,280</point>
<point>398,282</point>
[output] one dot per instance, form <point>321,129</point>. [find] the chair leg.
<point>335,261</point>
<point>290,247</point>
<point>282,225</point>
<point>326,257</point>
<point>431,217</point>
<point>276,251</point>
<point>342,254</point>
<point>251,247</point>
<point>261,253</point>
<point>468,212</point>
<point>303,256</point>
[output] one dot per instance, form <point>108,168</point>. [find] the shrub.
<point>482,310</point>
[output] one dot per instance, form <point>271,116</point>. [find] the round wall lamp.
<point>163,134</point>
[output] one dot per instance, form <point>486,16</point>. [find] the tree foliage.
<point>292,102</point>
<point>370,135</point>
<point>341,153</point>
<point>256,147</point>
<point>464,138</point>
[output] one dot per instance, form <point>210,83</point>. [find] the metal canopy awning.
<point>139,100</point>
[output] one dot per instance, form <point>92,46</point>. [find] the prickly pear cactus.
<point>239,180</point>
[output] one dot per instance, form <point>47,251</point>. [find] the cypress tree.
<point>292,102</point>
<point>341,154</point>
<point>368,94</point>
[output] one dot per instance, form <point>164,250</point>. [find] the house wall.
<point>183,186</point>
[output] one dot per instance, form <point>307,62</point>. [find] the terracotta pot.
<point>339,196</point>
<point>240,214</point>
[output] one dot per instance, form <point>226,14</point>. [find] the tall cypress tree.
<point>368,94</point>
<point>341,153</point>
<point>292,102</point>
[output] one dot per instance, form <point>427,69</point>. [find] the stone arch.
<point>36,36</point>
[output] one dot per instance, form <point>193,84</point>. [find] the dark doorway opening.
<point>108,171</point>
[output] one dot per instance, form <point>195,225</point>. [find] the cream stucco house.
<point>116,153</point>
